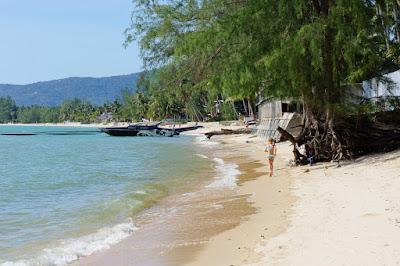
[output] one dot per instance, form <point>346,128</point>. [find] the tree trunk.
<point>246,113</point>
<point>396,19</point>
<point>251,109</point>
<point>234,109</point>
<point>380,12</point>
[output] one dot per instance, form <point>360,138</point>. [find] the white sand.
<point>343,216</point>
<point>324,215</point>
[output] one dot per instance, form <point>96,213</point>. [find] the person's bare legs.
<point>271,166</point>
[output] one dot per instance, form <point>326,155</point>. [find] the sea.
<point>68,192</point>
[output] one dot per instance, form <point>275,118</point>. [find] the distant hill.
<point>50,93</point>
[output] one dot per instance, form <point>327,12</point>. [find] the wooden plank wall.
<point>270,109</point>
<point>270,117</point>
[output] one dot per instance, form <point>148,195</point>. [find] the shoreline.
<point>270,196</point>
<point>71,247</point>
<point>307,215</point>
<point>315,215</point>
<point>246,214</point>
<point>215,207</point>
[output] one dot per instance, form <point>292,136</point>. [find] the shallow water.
<point>64,196</point>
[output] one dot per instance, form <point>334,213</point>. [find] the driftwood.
<point>228,132</point>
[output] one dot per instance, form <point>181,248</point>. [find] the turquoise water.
<point>69,195</point>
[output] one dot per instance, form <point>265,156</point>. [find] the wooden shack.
<point>274,113</point>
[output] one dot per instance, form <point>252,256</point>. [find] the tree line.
<point>314,51</point>
<point>74,110</point>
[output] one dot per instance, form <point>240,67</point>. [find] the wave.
<point>73,249</point>
<point>228,175</point>
<point>201,156</point>
<point>203,140</point>
<point>140,192</point>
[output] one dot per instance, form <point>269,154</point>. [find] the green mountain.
<point>51,93</point>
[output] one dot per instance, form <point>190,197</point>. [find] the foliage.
<point>78,110</point>
<point>7,110</point>
<point>38,114</point>
<point>309,50</point>
<point>239,49</point>
<point>70,110</point>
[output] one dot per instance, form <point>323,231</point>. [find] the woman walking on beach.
<point>271,153</point>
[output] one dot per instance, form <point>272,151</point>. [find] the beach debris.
<point>224,131</point>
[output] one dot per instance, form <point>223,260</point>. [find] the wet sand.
<point>180,226</point>
<point>270,196</point>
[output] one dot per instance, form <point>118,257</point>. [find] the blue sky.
<point>51,39</point>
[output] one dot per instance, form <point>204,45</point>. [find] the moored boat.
<point>145,130</point>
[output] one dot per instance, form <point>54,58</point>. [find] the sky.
<point>51,39</point>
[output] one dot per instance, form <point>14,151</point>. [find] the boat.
<point>145,130</point>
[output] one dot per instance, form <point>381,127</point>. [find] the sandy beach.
<point>325,214</point>
<point>314,215</point>
<point>200,133</point>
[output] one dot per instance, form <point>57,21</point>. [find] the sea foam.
<point>73,249</point>
<point>203,140</point>
<point>227,174</point>
<point>201,156</point>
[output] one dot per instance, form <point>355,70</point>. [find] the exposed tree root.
<point>348,138</point>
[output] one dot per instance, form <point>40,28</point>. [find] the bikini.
<point>270,148</point>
